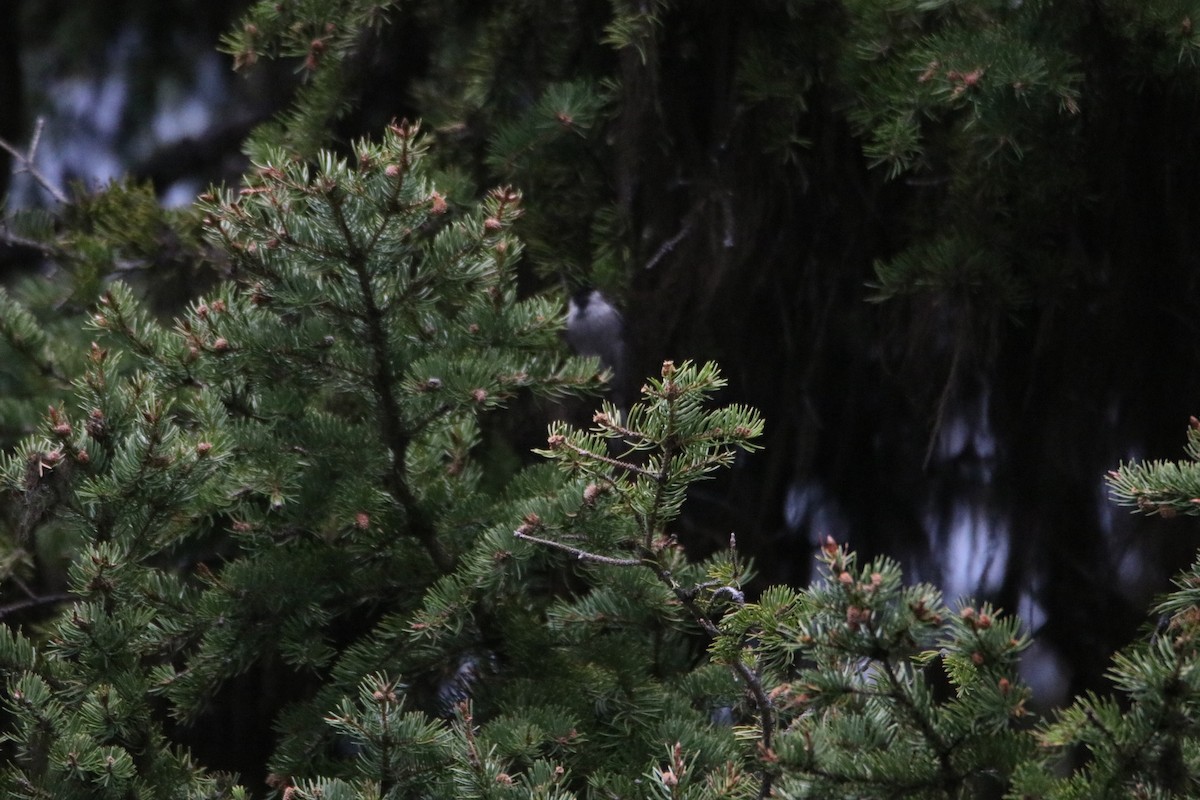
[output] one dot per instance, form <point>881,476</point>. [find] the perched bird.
<point>595,328</point>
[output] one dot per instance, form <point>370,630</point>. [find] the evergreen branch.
<point>404,134</point>
<point>395,434</point>
<point>303,356</point>
<point>355,254</point>
<point>113,311</point>
<point>423,422</point>
<point>942,749</point>
<point>147,463</point>
<point>266,232</point>
<point>671,394</point>
<point>752,680</point>
<point>1131,755</point>
<point>468,727</point>
<point>659,490</point>
<point>385,696</point>
<point>606,422</point>
<point>508,166</point>
<point>685,452</point>
<point>19,329</point>
<point>619,489</point>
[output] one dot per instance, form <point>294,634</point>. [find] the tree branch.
<point>582,555</point>
<point>25,163</point>
<point>765,707</point>
<point>34,602</point>
<point>395,435</point>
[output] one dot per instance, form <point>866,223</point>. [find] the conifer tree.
<point>301,477</point>
<point>293,477</point>
<point>329,397</point>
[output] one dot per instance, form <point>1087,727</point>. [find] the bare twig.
<point>16,240</point>
<point>612,462</point>
<point>943,404</point>
<point>582,555</point>
<point>25,162</point>
<point>34,602</point>
<point>689,222</point>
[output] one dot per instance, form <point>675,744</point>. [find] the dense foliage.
<point>270,520</point>
<point>295,479</point>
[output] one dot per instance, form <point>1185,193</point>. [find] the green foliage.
<point>121,230</point>
<point>980,101</point>
<point>882,689</point>
<point>977,99</point>
<point>1144,743</point>
<point>634,25</point>
<point>303,431</point>
<point>322,38</point>
<point>1162,487</point>
<point>298,479</point>
<point>293,479</point>
<point>299,454</point>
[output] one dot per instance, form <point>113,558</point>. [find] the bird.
<point>595,328</point>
